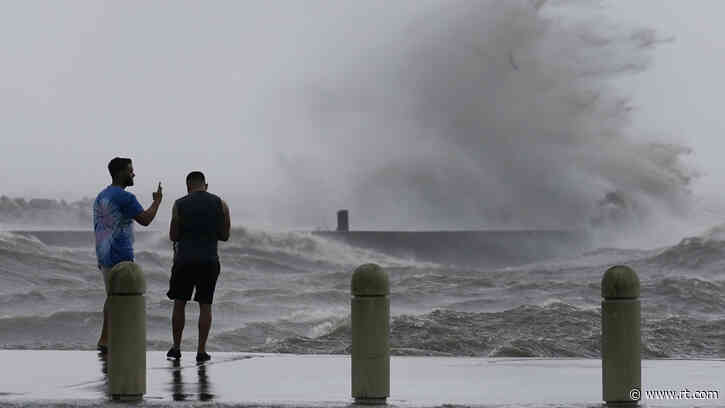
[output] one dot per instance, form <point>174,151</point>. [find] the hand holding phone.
<point>157,194</point>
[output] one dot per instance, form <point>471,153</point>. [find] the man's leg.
<point>204,326</point>
<point>206,283</point>
<point>177,322</point>
<point>180,289</point>
<point>103,341</point>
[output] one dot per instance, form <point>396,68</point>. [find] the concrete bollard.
<point>370,335</point>
<point>127,332</point>
<point>621,360</point>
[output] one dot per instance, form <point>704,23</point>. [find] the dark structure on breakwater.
<point>343,223</point>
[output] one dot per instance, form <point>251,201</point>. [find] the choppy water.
<point>289,292</point>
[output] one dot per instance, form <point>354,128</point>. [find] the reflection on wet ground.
<point>80,378</point>
<point>177,382</point>
<point>205,393</point>
<point>181,391</point>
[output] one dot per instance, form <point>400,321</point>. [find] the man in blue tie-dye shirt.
<point>113,213</point>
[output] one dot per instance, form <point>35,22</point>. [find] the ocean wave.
<point>556,330</point>
<point>551,329</point>
<point>267,261</point>
<point>683,337</point>
<point>150,258</point>
<point>12,242</point>
<point>61,330</point>
<point>278,300</point>
<point>694,253</point>
<point>309,247</point>
<point>684,295</point>
<point>299,325</point>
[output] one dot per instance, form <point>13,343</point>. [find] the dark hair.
<point>195,178</point>
<point>118,164</point>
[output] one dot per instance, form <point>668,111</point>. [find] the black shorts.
<point>186,276</point>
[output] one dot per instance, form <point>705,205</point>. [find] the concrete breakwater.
<point>491,248</point>
<point>468,248</point>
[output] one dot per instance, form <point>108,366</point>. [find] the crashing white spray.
<point>489,114</point>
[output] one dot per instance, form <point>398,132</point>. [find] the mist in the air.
<point>489,114</point>
<point>412,115</point>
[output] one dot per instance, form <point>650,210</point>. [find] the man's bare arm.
<point>149,214</point>
<point>174,229</point>
<point>226,226</point>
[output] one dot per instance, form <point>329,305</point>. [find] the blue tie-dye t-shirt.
<point>113,213</point>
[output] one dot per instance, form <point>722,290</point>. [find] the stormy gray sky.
<point>294,109</point>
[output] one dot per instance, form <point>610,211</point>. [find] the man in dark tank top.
<point>198,221</point>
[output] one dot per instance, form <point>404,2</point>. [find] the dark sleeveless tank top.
<point>200,216</point>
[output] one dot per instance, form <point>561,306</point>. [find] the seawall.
<point>468,248</point>
<point>492,248</point>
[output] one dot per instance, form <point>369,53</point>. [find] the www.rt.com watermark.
<point>684,394</point>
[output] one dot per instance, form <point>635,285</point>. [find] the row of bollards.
<point>370,315</point>
<point>621,361</point>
